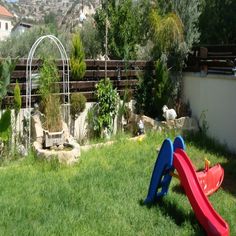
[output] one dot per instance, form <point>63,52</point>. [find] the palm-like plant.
<point>166,31</point>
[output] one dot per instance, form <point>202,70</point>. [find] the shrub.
<point>77,63</point>
<point>6,68</point>
<point>51,110</point>
<point>17,99</point>
<point>50,103</point>
<point>48,76</point>
<point>154,91</point>
<point>5,133</point>
<point>106,108</point>
<point>5,126</point>
<point>17,106</point>
<point>90,39</point>
<point>78,103</point>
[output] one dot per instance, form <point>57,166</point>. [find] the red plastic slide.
<point>205,213</point>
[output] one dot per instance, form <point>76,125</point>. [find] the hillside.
<point>67,12</point>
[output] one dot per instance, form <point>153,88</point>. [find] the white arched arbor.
<point>66,80</point>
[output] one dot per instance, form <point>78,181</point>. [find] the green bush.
<point>90,39</point>
<point>5,126</point>
<point>78,103</point>
<point>77,63</point>
<point>106,108</point>
<point>17,107</point>
<point>7,66</point>
<point>50,103</point>
<point>17,99</point>
<point>52,111</point>
<point>48,76</point>
<point>124,27</point>
<point>154,91</point>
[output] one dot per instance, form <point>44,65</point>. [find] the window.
<point>6,26</point>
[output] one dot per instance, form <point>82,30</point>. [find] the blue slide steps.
<point>161,173</point>
<point>161,177</point>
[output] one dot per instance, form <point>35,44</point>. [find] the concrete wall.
<point>215,95</point>
<point>80,126</point>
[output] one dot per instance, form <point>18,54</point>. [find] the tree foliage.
<point>51,108</point>
<point>90,39</point>
<point>154,90</point>
<point>19,45</point>
<point>189,12</point>
<point>218,22</point>
<point>106,107</point>
<point>77,63</point>
<point>167,31</point>
<point>179,22</point>
<point>78,103</point>
<point>48,76</point>
<point>123,31</point>
<point>6,68</point>
<point>17,99</point>
<point>50,102</point>
<point>5,126</point>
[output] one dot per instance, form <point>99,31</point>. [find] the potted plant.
<point>50,104</point>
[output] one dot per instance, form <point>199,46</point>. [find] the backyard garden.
<point>101,194</point>
<point>82,140</point>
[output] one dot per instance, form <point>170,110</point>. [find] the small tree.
<point>154,91</point>
<point>162,87</point>
<point>124,31</point>
<point>50,103</point>
<point>101,116</point>
<point>78,103</point>
<point>17,107</point>
<point>90,39</point>
<point>77,63</point>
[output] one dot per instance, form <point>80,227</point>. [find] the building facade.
<point>5,23</point>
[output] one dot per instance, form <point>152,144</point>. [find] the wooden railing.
<point>212,59</point>
<point>124,75</point>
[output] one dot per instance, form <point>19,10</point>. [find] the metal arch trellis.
<point>66,80</point>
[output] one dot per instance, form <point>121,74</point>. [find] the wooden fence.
<point>124,74</point>
<point>212,59</point>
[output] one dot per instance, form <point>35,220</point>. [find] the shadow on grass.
<point>201,141</point>
<point>178,189</point>
<point>178,215</point>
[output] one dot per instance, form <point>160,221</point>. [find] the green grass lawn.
<point>101,194</point>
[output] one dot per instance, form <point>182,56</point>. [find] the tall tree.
<point>167,31</point>
<point>218,22</point>
<point>123,29</point>
<point>90,39</point>
<point>189,12</point>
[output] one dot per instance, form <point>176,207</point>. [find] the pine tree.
<point>17,107</point>
<point>77,63</point>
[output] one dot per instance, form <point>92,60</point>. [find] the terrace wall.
<point>215,95</point>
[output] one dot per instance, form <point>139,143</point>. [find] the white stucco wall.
<point>3,32</point>
<point>216,95</point>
